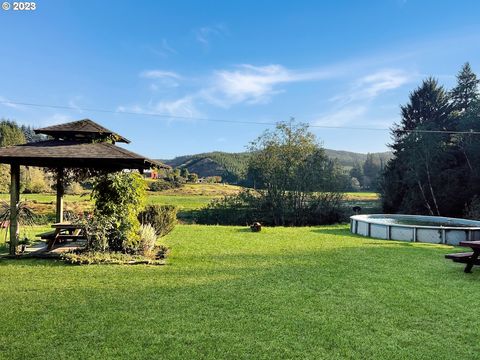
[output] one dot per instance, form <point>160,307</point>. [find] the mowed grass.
<point>228,293</point>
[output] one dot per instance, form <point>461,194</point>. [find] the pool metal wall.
<point>365,225</point>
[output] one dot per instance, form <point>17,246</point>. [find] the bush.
<point>99,231</point>
<point>33,181</point>
<point>229,210</point>
<point>249,206</point>
<point>160,185</point>
<point>118,200</point>
<point>162,217</point>
<point>148,239</point>
<point>74,189</point>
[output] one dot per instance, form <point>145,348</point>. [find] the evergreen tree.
<point>184,173</point>
<point>357,172</point>
<point>466,92</point>
<point>414,178</point>
<point>371,172</point>
<point>10,133</point>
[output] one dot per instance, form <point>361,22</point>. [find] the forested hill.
<point>347,158</point>
<point>232,166</point>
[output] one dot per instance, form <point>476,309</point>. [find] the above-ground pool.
<point>428,229</point>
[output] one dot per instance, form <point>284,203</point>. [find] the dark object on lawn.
<point>256,227</point>
<point>357,209</point>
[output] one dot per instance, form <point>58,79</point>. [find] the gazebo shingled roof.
<point>74,154</point>
<point>86,128</point>
<point>78,144</point>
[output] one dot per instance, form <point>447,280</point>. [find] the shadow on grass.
<point>33,262</point>
<point>245,230</point>
<point>335,232</point>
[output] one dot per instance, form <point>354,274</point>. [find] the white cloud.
<point>163,50</point>
<point>183,107</point>
<point>73,103</point>
<point>159,74</point>
<point>342,116</point>
<point>162,78</point>
<point>371,86</point>
<point>253,84</point>
<point>250,84</point>
<point>355,104</point>
<point>204,34</point>
<point>130,108</point>
<point>6,102</point>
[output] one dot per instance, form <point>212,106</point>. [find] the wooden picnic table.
<point>469,258</point>
<point>65,231</point>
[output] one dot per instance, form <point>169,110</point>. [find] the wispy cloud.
<point>184,107</point>
<point>244,83</point>
<point>164,49</point>
<point>342,116</point>
<point>131,108</point>
<point>372,85</point>
<point>161,77</point>
<point>355,104</point>
<point>253,84</point>
<point>7,103</point>
<point>205,34</point>
<point>159,74</point>
<point>73,103</point>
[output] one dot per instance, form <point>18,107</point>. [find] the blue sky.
<point>336,63</point>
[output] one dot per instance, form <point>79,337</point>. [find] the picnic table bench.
<point>469,258</point>
<point>63,232</point>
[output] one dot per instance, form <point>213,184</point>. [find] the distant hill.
<point>347,158</point>
<point>232,166</point>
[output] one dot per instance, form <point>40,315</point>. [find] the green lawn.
<point>227,293</point>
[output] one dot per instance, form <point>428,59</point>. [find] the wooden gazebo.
<point>78,144</point>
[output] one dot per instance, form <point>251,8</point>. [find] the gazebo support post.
<point>14,200</point>
<point>60,192</point>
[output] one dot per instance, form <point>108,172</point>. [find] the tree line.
<point>436,146</point>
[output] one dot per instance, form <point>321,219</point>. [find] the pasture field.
<point>225,292</point>
<point>188,198</point>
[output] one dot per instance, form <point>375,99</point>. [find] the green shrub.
<point>162,217</point>
<point>74,188</point>
<point>119,197</point>
<point>249,206</point>
<point>100,231</point>
<point>229,210</point>
<point>160,185</point>
<point>148,239</point>
<point>33,180</point>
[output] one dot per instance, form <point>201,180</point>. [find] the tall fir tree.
<point>466,92</point>
<point>410,183</point>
